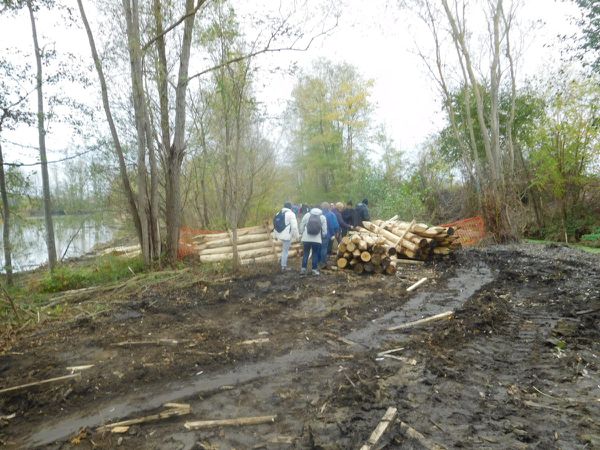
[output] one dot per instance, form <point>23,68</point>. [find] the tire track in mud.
<point>457,291</point>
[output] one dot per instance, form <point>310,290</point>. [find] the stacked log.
<point>361,251</point>
<point>254,244</point>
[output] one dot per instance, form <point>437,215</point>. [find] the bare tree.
<point>50,244</point>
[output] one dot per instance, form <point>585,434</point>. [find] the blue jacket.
<point>333,225</point>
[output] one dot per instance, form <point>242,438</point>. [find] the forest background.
<point>169,120</point>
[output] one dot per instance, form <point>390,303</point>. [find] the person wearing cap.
<point>288,234</point>
<point>362,211</point>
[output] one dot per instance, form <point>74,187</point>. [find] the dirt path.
<point>516,368</point>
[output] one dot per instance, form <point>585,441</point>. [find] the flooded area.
<point>74,235</point>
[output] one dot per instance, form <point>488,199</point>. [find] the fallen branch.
<point>409,431</point>
<point>383,425</point>
<point>255,341</point>
<point>39,383</point>
<point>422,321</point>
<point>387,352</point>
<point>153,342</point>
<point>79,368</point>
<point>416,285</point>
<point>174,410</point>
<point>240,421</point>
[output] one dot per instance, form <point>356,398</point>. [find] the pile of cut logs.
<point>254,244</point>
<point>380,245</point>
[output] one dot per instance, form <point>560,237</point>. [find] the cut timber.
<point>240,232</point>
<point>362,245</point>
<point>226,242</point>
<point>391,237</point>
<point>39,383</point>
<point>342,248</point>
<point>416,285</point>
<point>153,342</point>
<point>381,428</point>
<point>440,316</point>
<point>342,263</point>
<point>408,261</point>
<point>410,432</point>
<point>356,253</point>
<point>241,248</point>
<point>376,259</point>
<point>365,256</point>
<point>350,246</point>
<point>369,268</point>
<point>378,269</point>
<point>358,268</point>
<point>240,421</point>
<point>173,410</point>
<point>79,368</point>
<point>255,341</point>
<point>267,258</point>
<point>391,269</point>
<point>387,352</point>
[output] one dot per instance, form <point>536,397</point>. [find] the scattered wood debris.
<point>427,443</point>
<point>39,383</point>
<point>416,285</point>
<point>440,316</point>
<point>173,410</point>
<point>255,341</point>
<point>240,421</point>
<point>381,428</point>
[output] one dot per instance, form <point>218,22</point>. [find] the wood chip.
<point>381,428</point>
<point>240,421</point>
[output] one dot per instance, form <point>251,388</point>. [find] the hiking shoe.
<point>316,272</point>
<point>284,269</point>
<point>303,271</point>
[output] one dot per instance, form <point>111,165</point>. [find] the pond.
<point>74,236</point>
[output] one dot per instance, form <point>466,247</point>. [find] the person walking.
<point>362,211</point>
<point>349,215</point>
<point>345,226</point>
<point>333,227</point>
<point>286,230</point>
<point>313,229</point>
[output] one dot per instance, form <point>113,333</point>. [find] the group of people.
<point>316,227</point>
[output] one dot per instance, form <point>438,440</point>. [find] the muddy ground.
<point>516,367</point>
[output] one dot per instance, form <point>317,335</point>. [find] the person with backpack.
<point>333,227</point>
<point>362,211</point>
<point>313,228</point>
<point>286,230</point>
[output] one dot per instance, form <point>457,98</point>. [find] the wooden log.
<point>417,284</point>
<point>365,256</point>
<point>242,255</point>
<point>426,443</point>
<point>347,255</point>
<point>174,410</point>
<point>240,421</point>
<point>356,253</point>
<point>369,268</point>
<point>201,238</point>
<point>392,237</point>
<point>376,259</point>
<point>356,239</point>
<point>350,246</point>
<point>241,248</point>
<point>440,316</point>
<point>392,251</point>
<point>358,267</point>
<point>342,263</point>
<point>441,251</point>
<point>267,258</point>
<point>391,269</point>
<point>341,247</point>
<point>240,240</point>
<point>387,419</point>
<point>378,269</point>
<point>40,383</point>
<point>346,240</point>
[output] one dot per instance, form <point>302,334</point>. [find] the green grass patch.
<point>104,269</point>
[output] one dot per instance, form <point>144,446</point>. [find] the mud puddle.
<point>426,303</point>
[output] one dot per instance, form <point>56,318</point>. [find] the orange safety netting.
<point>470,231</point>
<point>186,240</point>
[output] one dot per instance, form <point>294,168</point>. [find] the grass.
<point>585,248</point>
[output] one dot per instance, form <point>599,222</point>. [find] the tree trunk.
<point>131,9</point>
<point>113,130</point>
<point>50,244</point>
<point>5,224</point>
<point>176,151</point>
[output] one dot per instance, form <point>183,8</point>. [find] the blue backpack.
<point>279,221</point>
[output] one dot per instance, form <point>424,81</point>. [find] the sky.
<point>377,37</point>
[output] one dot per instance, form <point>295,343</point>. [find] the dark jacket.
<point>349,216</point>
<point>362,211</point>
<point>343,224</point>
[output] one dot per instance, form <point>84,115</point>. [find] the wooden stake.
<point>387,352</point>
<point>240,421</point>
<point>383,425</point>
<point>416,285</point>
<point>39,383</point>
<point>409,431</point>
<point>403,326</point>
<point>176,409</point>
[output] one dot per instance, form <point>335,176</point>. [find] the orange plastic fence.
<point>470,231</point>
<point>186,236</point>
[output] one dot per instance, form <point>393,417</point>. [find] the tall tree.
<point>50,244</point>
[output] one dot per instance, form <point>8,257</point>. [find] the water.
<point>28,238</point>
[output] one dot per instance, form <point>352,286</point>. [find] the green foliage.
<point>590,27</point>
<point>104,269</point>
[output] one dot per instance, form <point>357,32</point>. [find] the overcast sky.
<point>376,36</point>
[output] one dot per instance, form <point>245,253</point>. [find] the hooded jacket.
<point>290,232</point>
<point>317,237</point>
